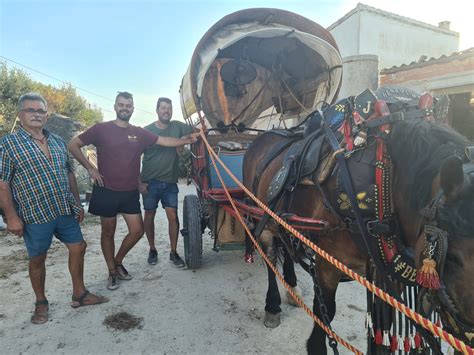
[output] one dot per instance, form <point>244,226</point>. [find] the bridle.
<point>436,247</point>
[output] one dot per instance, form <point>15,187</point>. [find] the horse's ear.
<point>451,177</point>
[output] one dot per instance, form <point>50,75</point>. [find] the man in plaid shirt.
<point>39,197</point>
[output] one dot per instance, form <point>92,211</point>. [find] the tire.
<point>192,232</point>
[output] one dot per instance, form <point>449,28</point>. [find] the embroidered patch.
<point>363,201</point>
<point>132,138</point>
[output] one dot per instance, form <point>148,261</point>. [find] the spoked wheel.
<point>192,232</point>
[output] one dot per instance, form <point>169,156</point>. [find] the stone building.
<point>370,39</point>
<point>452,75</point>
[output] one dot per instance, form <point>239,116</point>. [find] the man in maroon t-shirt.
<point>119,148</point>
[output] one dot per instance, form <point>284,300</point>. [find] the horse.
<point>426,167</point>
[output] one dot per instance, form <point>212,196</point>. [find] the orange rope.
<point>425,323</point>
<point>277,273</point>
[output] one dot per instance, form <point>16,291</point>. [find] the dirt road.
<point>214,310</point>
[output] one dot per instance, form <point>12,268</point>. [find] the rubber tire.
<point>193,236</point>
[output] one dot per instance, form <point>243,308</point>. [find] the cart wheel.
<point>192,234</point>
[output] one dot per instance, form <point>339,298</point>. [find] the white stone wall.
<point>360,72</point>
<point>396,40</point>
<point>347,36</point>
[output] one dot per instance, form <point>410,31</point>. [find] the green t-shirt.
<point>162,163</point>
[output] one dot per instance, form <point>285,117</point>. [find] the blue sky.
<point>145,46</point>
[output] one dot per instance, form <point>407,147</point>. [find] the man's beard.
<point>164,120</point>
<point>124,116</point>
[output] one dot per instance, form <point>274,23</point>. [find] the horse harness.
<point>430,276</point>
<point>380,237</point>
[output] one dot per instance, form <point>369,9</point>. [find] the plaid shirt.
<point>39,187</point>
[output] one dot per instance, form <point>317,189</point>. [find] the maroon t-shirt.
<point>118,153</point>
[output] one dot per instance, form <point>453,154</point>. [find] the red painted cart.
<point>252,70</point>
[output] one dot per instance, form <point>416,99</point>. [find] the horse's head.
<point>454,215</point>
<point>434,187</point>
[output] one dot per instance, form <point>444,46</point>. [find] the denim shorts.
<point>166,192</point>
<point>38,237</point>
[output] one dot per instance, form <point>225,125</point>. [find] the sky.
<point>145,47</point>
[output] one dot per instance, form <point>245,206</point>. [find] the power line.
<point>68,83</point>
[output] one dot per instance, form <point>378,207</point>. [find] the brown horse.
<point>424,157</point>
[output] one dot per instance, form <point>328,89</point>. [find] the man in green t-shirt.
<point>159,177</point>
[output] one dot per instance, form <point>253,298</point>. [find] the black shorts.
<point>109,203</point>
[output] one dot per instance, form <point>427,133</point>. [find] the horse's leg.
<point>290,277</point>
<point>249,249</point>
<point>273,300</point>
<point>328,279</point>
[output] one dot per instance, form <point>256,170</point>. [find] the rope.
<point>273,267</point>
<point>294,97</point>
<point>425,323</point>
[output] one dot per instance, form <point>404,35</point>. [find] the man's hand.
<point>80,215</point>
<point>15,225</point>
<point>192,138</point>
<point>142,187</point>
<point>96,177</point>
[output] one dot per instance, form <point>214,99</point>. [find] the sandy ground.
<point>216,309</point>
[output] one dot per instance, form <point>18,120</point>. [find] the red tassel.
<point>406,344</point>
<point>393,343</point>
<point>417,340</point>
<point>426,102</point>
<point>378,337</point>
<point>427,276</point>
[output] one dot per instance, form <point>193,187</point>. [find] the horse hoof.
<point>291,300</point>
<point>271,320</point>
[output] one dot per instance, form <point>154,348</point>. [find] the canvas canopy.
<point>256,59</point>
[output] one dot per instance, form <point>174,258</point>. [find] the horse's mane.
<point>418,149</point>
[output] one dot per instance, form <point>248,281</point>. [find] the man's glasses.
<point>32,110</point>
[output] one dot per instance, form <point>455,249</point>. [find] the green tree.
<point>13,83</point>
<point>63,100</point>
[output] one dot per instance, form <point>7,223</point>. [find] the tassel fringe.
<point>400,343</point>
<point>378,337</point>
<point>427,276</point>
<point>406,344</point>
<point>393,343</point>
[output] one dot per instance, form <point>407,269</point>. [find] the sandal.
<point>122,273</point>
<point>80,301</point>
<point>40,317</point>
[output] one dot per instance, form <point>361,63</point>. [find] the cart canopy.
<point>257,59</point>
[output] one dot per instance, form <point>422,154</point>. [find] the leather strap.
<point>397,117</point>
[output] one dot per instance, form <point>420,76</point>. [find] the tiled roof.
<point>424,61</point>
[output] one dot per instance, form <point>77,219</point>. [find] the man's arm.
<point>75,192</point>
<point>14,223</point>
<point>142,186</point>
<point>176,142</point>
<point>75,146</point>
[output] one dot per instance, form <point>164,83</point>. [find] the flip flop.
<point>40,317</point>
<point>79,301</point>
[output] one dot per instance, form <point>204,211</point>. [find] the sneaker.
<point>122,273</point>
<point>152,257</point>
<point>112,282</point>
<point>176,259</point>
